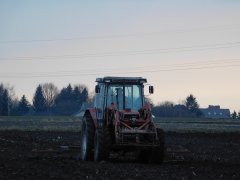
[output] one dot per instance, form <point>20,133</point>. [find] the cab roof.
<point>112,79</point>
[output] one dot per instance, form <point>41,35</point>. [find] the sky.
<point>182,47</point>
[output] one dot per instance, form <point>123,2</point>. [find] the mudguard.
<point>92,113</point>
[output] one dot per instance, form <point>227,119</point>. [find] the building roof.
<point>113,79</point>
<point>215,112</point>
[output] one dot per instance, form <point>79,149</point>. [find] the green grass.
<point>66,123</point>
<point>47,123</point>
<point>164,119</point>
<point>198,124</point>
<point>39,118</point>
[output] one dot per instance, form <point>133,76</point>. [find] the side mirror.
<point>97,89</point>
<point>151,89</point>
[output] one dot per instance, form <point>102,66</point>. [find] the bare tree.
<point>11,97</point>
<point>11,91</point>
<point>50,92</point>
<point>91,98</point>
<point>147,99</point>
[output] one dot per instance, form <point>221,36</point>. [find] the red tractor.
<point>121,121</point>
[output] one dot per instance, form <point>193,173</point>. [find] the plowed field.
<point>54,155</point>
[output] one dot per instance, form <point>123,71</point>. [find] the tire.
<point>101,144</point>
<point>87,139</point>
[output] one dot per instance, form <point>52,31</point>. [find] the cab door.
<point>99,102</point>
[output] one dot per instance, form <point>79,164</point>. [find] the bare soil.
<point>54,155</point>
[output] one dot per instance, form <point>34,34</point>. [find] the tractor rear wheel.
<point>101,144</point>
<point>87,139</point>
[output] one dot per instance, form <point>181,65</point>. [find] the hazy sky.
<point>181,46</point>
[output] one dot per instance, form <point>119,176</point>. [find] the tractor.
<point>121,121</point>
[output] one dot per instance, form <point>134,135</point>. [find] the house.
<point>215,112</point>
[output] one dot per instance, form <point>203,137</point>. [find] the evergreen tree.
<point>69,92</point>
<point>70,100</point>
<point>39,102</point>
<point>23,106</point>
<point>64,102</point>
<point>1,100</point>
<point>192,105</point>
<point>234,115</point>
<point>84,95</point>
<point>77,95</point>
<point>239,115</point>
<point>14,107</point>
<point>5,103</point>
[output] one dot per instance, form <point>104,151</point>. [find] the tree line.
<point>189,108</point>
<point>47,100</point>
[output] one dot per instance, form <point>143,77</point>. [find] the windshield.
<point>132,96</point>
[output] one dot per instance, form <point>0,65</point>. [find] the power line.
<point>127,53</point>
<point>180,30</point>
<point>184,64</point>
<point>175,65</point>
<point>48,74</point>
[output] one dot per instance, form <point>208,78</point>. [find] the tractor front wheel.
<point>87,140</point>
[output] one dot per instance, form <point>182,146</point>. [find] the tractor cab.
<point>125,94</point>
